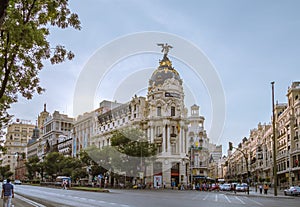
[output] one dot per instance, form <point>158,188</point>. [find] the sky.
<point>248,44</point>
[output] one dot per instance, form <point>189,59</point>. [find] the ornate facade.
<point>258,148</point>
<point>163,117</point>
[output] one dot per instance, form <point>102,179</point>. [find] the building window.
<point>172,110</point>
<point>159,111</point>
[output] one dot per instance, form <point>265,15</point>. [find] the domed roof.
<point>163,72</point>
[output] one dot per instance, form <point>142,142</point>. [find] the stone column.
<point>166,173</point>
<point>163,144</point>
<point>180,140</point>
<point>182,170</point>
<point>152,133</point>
<point>168,139</point>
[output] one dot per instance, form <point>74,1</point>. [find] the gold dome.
<point>163,72</point>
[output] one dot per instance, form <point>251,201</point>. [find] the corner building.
<point>167,124</point>
<point>163,117</point>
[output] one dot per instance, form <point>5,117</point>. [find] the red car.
<point>214,187</point>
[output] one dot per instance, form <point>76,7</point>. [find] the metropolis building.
<point>163,117</point>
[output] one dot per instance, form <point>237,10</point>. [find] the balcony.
<point>158,140</point>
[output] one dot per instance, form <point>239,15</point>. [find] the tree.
<point>53,163</point>
<point>5,171</point>
<point>69,164</point>
<point>134,149</point>
<point>3,7</point>
<point>32,167</point>
<point>24,46</point>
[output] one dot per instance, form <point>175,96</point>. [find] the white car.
<point>225,187</point>
<point>17,182</point>
<point>294,191</point>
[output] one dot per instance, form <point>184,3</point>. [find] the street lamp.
<point>247,165</point>
<point>274,143</point>
<point>192,163</point>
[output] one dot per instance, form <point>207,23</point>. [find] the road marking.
<point>227,199</point>
<point>35,204</point>
<point>205,197</point>
<point>240,200</point>
<point>258,203</point>
<point>196,196</point>
<point>216,199</point>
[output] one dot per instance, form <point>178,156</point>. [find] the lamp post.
<point>247,165</point>
<point>274,143</point>
<point>192,164</point>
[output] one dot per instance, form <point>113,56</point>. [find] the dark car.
<point>293,191</point>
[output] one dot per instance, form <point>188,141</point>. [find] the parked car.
<point>240,188</point>
<point>17,182</point>
<point>139,186</point>
<point>225,187</point>
<point>214,187</point>
<point>293,191</point>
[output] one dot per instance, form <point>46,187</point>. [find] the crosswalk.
<point>226,198</point>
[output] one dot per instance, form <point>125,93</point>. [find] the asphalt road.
<point>148,198</point>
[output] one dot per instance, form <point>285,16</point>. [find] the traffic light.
<point>230,146</point>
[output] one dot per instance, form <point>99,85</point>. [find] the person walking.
<point>7,193</point>
<point>266,187</point>
<point>260,189</point>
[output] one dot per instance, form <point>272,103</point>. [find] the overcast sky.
<point>249,43</point>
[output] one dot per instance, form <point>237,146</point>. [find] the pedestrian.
<point>7,193</point>
<point>260,189</point>
<point>65,184</point>
<point>266,187</point>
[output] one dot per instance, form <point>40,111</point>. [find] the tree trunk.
<point>3,7</point>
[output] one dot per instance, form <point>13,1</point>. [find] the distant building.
<point>65,144</point>
<point>18,134</point>
<point>53,126</point>
<point>258,148</point>
<point>198,146</point>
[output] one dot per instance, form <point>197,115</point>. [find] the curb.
<point>92,190</point>
<point>262,196</point>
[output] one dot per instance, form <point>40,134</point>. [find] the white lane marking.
<point>227,199</point>
<point>258,203</point>
<point>216,199</point>
<point>205,197</point>
<point>240,200</point>
<point>29,201</point>
<point>196,196</point>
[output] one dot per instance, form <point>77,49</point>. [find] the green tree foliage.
<point>129,152</point>
<point>3,7</point>
<point>132,142</point>
<point>53,163</point>
<point>33,167</point>
<point>5,172</point>
<point>24,29</point>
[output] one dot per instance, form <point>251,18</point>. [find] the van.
<point>60,179</point>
